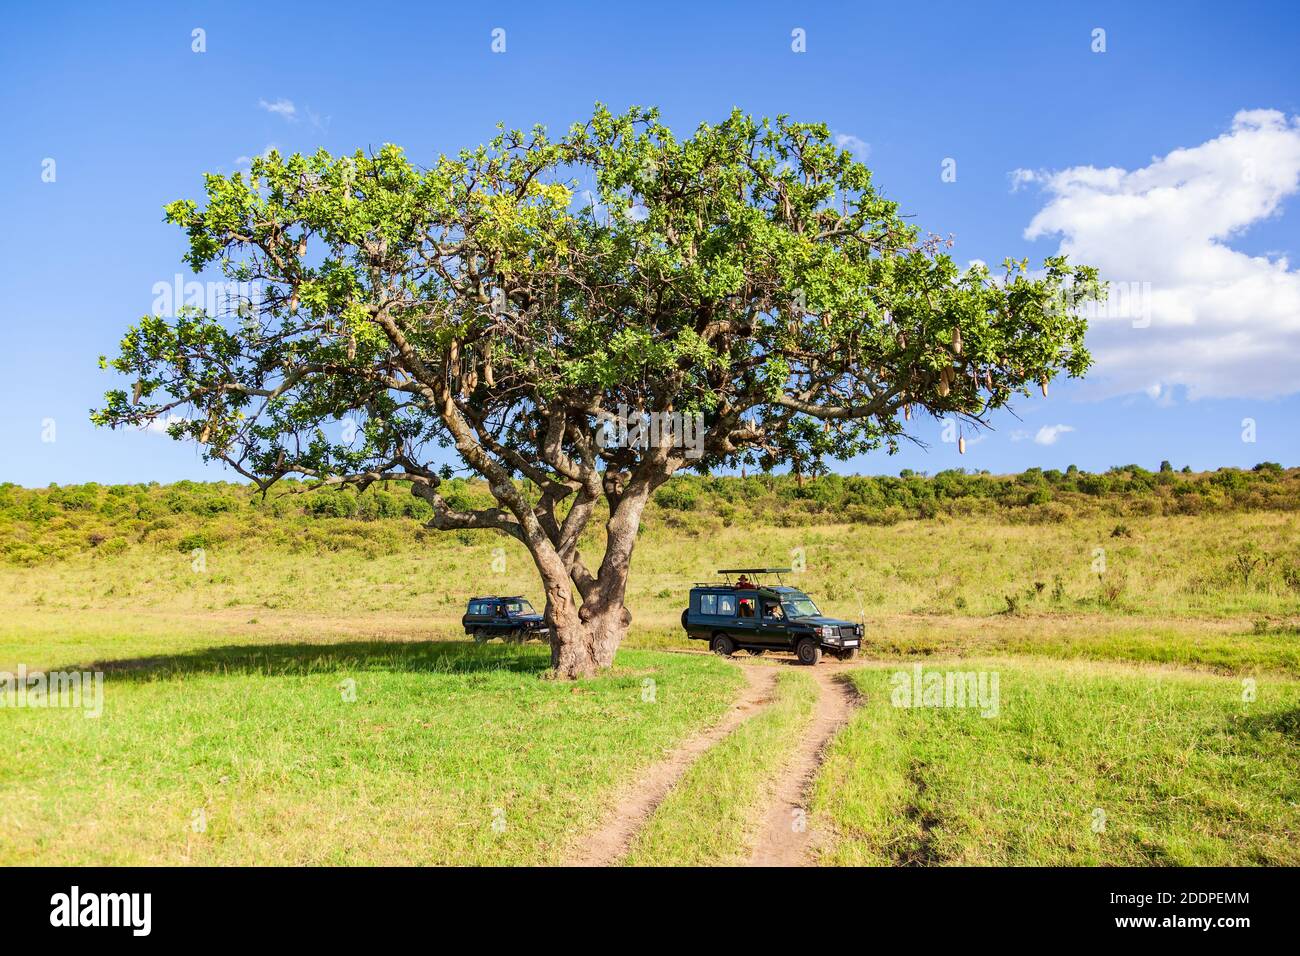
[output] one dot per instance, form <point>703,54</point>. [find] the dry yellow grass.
<point>923,587</point>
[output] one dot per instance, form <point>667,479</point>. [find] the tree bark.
<point>584,646</point>
<point>585,639</point>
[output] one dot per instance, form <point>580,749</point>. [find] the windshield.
<point>519,607</point>
<point>800,606</point>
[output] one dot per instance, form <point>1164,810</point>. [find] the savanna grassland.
<point>290,671</point>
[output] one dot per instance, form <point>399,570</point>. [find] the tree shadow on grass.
<point>1284,722</point>
<point>298,659</point>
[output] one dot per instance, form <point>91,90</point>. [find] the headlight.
<point>828,632</point>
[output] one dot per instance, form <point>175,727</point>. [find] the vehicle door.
<point>744,629</point>
<point>702,616</point>
<point>477,616</point>
<point>773,629</point>
<point>726,619</point>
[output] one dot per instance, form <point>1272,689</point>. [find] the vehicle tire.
<point>850,654</point>
<point>480,636</point>
<point>722,645</point>
<point>684,627</point>
<point>755,651</point>
<point>808,651</point>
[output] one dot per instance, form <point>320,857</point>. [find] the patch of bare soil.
<point>613,838</point>
<point>787,836</point>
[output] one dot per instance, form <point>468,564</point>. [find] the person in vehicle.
<point>743,582</point>
<point>772,611</point>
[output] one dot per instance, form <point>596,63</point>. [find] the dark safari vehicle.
<point>762,617</point>
<point>509,618</point>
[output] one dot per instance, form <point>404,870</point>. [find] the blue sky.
<point>132,118</point>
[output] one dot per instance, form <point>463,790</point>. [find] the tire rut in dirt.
<point>635,804</point>
<point>787,836</point>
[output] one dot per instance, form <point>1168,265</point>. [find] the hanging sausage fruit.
<point>453,366</point>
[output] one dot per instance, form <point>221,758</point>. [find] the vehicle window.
<point>708,604</point>
<point>772,610</point>
<point>519,607</point>
<point>726,604</point>
<point>801,606</point>
<point>747,607</point>
<point>476,607</point>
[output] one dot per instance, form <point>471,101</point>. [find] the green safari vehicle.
<point>756,617</point>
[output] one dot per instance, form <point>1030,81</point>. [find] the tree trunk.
<point>573,653</point>
<point>586,646</point>
<point>584,640</point>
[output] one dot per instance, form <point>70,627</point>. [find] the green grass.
<point>441,743</point>
<point>709,818</point>
<point>1186,772</point>
<point>223,693</point>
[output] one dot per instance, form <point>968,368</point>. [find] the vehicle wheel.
<point>684,620</point>
<point>723,645</point>
<point>755,651</point>
<point>808,651</point>
<point>849,654</point>
<point>479,635</point>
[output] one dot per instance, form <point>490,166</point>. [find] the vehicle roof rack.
<point>498,597</point>
<point>727,572</point>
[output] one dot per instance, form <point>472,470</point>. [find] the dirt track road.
<point>634,805</point>
<point>786,834</point>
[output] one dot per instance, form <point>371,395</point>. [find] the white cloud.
<point>159,426</point>
<point>859,148</point>
<point>1198,314</point>
<point>281,107</point>
<point>1021,177</point>
<point>246,161</point>
<point>316,120</point>
<point>1048,434</point>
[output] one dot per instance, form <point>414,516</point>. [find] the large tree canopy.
<point>498,302</point>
